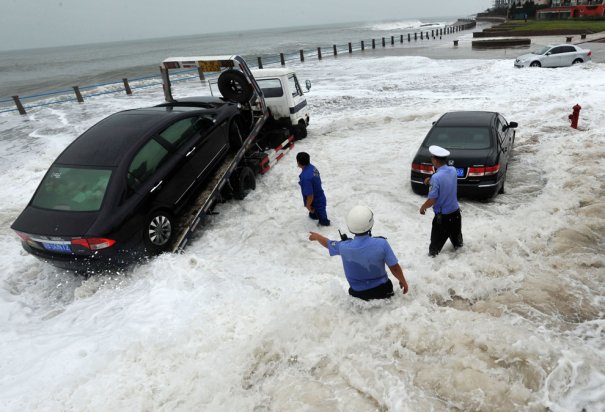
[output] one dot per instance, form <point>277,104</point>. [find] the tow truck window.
<point>72,189</point>
<point>271,87</point>
<point>294,86</point>
<point>145,163</point>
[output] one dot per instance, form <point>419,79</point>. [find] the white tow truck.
<point>276,114</point>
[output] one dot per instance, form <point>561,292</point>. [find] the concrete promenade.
<point>444,48</point>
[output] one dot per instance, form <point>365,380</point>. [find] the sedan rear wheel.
<point>535,64</point>
<point>576,61</point>
<point>158,232</point>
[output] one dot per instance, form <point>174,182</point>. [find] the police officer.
<point>364,257</point>
<point>443,197</point>
<point>313,195</point>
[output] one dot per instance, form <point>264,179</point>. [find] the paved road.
<point>444,48</point>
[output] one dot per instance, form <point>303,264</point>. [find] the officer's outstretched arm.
<point>320,238</point>
<point>398,273</point>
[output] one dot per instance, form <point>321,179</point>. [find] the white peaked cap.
<point>438,151</point>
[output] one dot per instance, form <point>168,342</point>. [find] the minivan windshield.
<point>459,137</point>
<point>72,189</point>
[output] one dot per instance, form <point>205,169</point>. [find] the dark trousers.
<point>446,227</point>
<point>321,215</point>
<point>383,291</point>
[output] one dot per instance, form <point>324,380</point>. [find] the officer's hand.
<point>404,286</point>
<point>314,236</point>
<point>422,210</point>
<point>427,180</point>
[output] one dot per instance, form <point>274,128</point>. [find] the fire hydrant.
<point>575,115</point>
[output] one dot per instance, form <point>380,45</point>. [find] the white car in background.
<point>558,55</point>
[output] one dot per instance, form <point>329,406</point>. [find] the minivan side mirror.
<point>308,84</point>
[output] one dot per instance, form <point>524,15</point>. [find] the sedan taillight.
<point>423,168</point>
<point>589,53</point>
<point>94,243</point>
<point>483,170</point>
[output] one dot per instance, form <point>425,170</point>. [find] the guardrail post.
<point>455,42</point>
<point>583,36</point>
<point>363,46</point>
<point>166,85</point>
<point>409,37</point>
<point>383,42</point>
<point>421,35</point>
<point>350,48</point>
<point>401,38</point>
<point>281,58</point>
<point>260,63</point>
<point>19,105</point>
<point>334,49</point>
<point>373,43</point>
<point>200,73</point>
<point>126,86</point>
<point>78,94</point>
<point>415,36</point>
<point>302,55</point>
<point>432,33</point>
<point>319,53</point>
<point>392,40</point>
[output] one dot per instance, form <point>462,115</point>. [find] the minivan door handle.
<point>156,186</point>
<point>191,151</point>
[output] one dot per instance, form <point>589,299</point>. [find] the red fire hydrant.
<point>575,115</point>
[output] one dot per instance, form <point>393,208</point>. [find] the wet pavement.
<point>444,48</point>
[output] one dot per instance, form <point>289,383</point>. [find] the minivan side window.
<point>145,163</point>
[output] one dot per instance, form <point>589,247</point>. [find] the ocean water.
<point>254,317</point>
<point>24,72</point>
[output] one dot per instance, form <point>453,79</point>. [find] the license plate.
<point>57,247</point>
<point>460,171</point>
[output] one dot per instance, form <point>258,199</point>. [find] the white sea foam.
<point>407,25</point>
<point>255,317</point>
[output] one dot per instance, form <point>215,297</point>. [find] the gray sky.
<point>45,23</point>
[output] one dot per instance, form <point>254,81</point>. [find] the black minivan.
<point>114,193</point>
<point>480,145</point>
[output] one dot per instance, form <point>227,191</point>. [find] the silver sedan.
<point>559,55</point>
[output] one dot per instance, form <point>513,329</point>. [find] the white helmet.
<point>360,220</point>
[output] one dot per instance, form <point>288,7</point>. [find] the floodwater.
<point>253,316</point>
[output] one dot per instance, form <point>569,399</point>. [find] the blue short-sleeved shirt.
<point>363,259</point>
<point>444,188</point>
<point>310,184</point>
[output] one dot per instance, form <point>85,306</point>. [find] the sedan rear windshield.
<point>459,137</point>
<point>71,188</point>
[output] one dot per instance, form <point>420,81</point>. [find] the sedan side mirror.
<point>548,53</point>
<point>308,84</point>
<point>204,123</point>
<point>513,125</point>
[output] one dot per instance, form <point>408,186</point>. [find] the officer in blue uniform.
<point>364,257</point>
<point>443,197</point>
<point>313,195</point>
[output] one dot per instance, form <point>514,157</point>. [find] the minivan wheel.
<point>576,61</point>
<point>234,86</point>
<point>158,232</point>
<point>535,64</point>
<point>242,182</point>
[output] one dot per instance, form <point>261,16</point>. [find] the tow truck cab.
<point>284,97</point>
